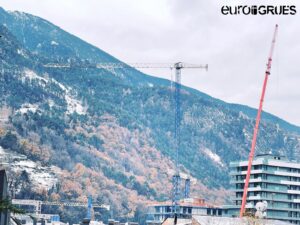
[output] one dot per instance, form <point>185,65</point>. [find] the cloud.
<point>235,47</point>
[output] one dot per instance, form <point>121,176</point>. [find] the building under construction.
<point>187,208</point>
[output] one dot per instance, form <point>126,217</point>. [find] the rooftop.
<point>271,155</point>
<point>268,158</point>
<point>208,220</point>
<point>211,220</point>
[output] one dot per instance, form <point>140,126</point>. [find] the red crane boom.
<point>251,155</point>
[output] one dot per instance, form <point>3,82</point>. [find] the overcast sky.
<point>194,31</point>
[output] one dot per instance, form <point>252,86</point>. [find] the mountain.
<point>109,133</point>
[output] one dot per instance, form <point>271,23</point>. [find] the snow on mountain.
<point>73,105</point>
<point>54,43</point>
<point>213,156</point>
<point>22,52</point>
<point>40,176</point>
<point>32,75</point>
<point>28,108</point>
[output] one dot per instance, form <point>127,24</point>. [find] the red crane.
<point>251,155</point>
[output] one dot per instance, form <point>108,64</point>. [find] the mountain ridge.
<point>251,112</point>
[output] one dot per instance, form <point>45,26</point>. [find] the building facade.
<point>4,215</point>
<point>273,179</point>
<point>188,207</point>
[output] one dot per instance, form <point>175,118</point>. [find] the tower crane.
<point>252,151</point>
<point>176,193</point>
<point>176,178</point>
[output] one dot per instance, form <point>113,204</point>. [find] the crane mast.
<point>252,151</point>
<point>178,67</point>
<point>176,177</point>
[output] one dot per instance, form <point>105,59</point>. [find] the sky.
<point>236,48</point>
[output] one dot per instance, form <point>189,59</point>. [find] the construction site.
<point>264,185</point>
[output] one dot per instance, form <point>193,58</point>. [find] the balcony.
<point>263,198</point>
<point>286,174</point>
<point>234,173</point>
<point>297,192</point>
<point>288,182</point>
<point>252,180</point>
<point>258,197</point>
